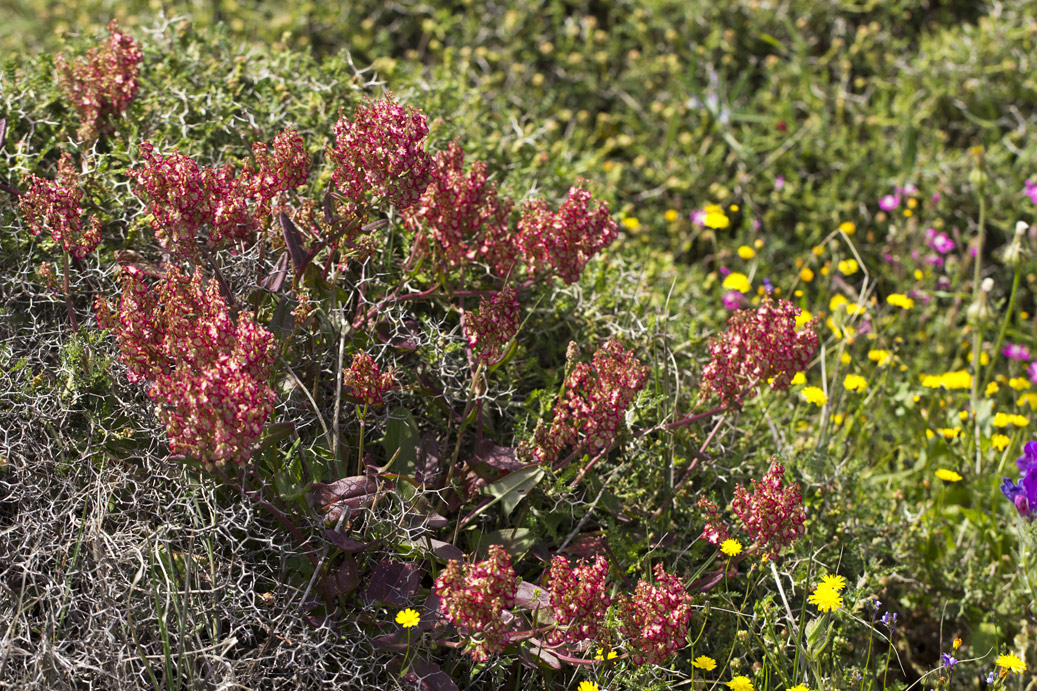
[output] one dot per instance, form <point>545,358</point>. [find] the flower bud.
<point>980,310</point>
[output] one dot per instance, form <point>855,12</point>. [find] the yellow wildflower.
<point>806,275</point>
<point>855,382</point>
<point>587,686</point>
<point>848,267</point>
<point>1019,383</point>
<point>716,218</point>
<point>848,227</point>
<point>799,378</point>
<point>632,223</point>
<point>671,215</point>
<point>1011,663</point>
<point>826,598</point>
<point>746,252</point>
<point>408,618</point>
<point>803,318</point>
<point>836,582</point>
<point>737,281</point>
<point>880,357</point>
<point>948,475</point>
<point>992,388</point>
<point>899,300</point>
<point>740,683</point>
<point>731,548</point>
<point>1000,441</point>
<point>704,662</point>
<point>815,395</point>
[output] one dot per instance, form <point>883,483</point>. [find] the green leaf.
<point>401,433</point>
<point>512,489</point>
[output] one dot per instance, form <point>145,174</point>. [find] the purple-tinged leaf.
<point>275,280</point>
<point>427,676</point>
<point>393,583</point>
<point>428,458</point>
<point>500,457</point>
<point>293,241</point>
<point>536,655</point>
<point>346,579</point>
<point>344,543</point>
<point>352,493</point>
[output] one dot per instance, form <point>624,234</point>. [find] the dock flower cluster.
<point>655,620</point>
<point>579,597</point>
<point>474,596</point>
<point>594,403</point>
<point>758,346</point>
<point>208,372</point>
<point>772,513</point>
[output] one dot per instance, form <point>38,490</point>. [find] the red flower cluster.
<point>565,241</point>
<point>578,597</point>
<point>101,84</point>
<point>475,596</point>
<point>286,168</point>
<point>758,345</point>
<point>365,381</point>
<point>655,621</point>
<point>594,402</point>
<point>209,372</point>
<point>55,205</point>
<point>463,216</point>
<point>773,514</point>
<point>381,152</point>
<point>184,197</point>
<point>715,531</point>
<point>493,325</point>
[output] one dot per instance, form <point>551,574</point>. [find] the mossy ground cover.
<point>867,163</point>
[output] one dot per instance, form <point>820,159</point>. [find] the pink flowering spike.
<point>655,620</point>
<point>715,530</point>
<point>209,372</point>
<point>55,205</point>
<point>594,402</point>
<point>771,513</point>
<point>179,203</point>
<point>229,216</point>
<point>102,83</point>
<point>490,328</point>
<point>758,345</point>
<point>563,242</point>
<point>365,382</point>
<point>285,168</point>
<point>579,597</point>
<point>380,154</point>
<point>462,216</point>
<point>474,596</point>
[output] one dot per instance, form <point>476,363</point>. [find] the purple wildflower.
<point>889,202</point>
<point>941,242</point>
<point>1014,351</point>
<point>889,620</point>
<point>779,182</point>
<point>733,300</point>
<point>1024,494</point>
<point>1031,190</point>
<point>698,217</point>
<point>1031,371</point>
<point>948,660</point>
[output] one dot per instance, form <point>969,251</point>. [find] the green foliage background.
<point>661,105</point>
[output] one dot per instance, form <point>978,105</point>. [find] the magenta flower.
<point>1031,371</point>
<point>889,202</point>
<point>733,300</point>
<point>1031,190</point>
<point>941,242</point>
<point>1014,351</point>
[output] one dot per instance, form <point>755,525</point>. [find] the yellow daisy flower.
<point>408,618</point>
<point>704,662</point>
<point>731,548</point>
<point>948,475</point>
<point>1011,663</point>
